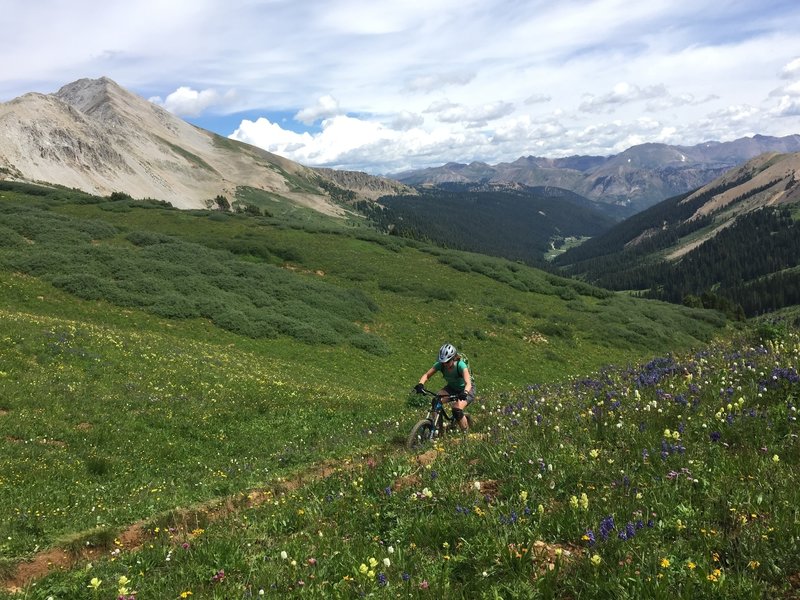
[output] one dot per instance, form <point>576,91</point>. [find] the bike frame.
<point>437,422</point>
<point>438,415</point>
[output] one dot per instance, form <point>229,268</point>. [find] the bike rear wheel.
<point>420,435</point>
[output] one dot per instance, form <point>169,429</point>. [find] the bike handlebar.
<point>445,398</point>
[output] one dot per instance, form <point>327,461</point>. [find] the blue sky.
<point>388,86</point>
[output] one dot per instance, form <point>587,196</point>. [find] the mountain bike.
<point>437,423</point>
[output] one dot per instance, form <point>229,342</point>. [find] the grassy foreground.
<point>677,478</point>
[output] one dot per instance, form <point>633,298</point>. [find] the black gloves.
<point>462,395</point>
<point>419,387</point>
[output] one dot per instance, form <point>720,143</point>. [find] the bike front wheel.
<point>421,434</point>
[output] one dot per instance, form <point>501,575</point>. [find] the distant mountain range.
<point>97,137</point>
<point>635,179</point>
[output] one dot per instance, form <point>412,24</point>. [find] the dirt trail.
<point>134,536</point>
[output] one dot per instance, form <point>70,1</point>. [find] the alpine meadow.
<point>215,404</point>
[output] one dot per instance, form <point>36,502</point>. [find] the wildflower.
<point>584,501</point>
<point>284,554</point>
<point>427,493</point>
<point>405,576</point>
<point>387,563</point>
<point>94,584</point>
<point>373,563</point>
<point>477,485</point>
<point>382,580</point>
<point>523,495</point>
<point>363,569</point>
<point>312,561</point>
<point>594,452</point>
<point>219,576</point>
<point>665,563</point>
<point>754,564</point>
<point>691,566</point>
<point>540,509</point>
<point>390,549</point>
<point>424,585</point>
<point>186,594</point>
<point>573,502</point>
<point>776,458</point>
<point>596,560</point>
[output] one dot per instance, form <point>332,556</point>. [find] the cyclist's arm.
<point>428,374</point>
<point>467,380</point>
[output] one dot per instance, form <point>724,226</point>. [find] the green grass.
<point>139,379</point>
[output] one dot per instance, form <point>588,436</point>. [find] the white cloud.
<point>791,69</point>
<point>327,106</point>
<point>788,106</point>
<point>406,120</point>
<point>186,102</point>
<point>623,93</point>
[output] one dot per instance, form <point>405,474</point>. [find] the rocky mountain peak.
<point>94,135</point>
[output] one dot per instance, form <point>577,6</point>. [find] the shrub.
<point>147,238</point>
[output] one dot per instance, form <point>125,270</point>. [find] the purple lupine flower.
<point>630,530</point>
<point>590,537</point>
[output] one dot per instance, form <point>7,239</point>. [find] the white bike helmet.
<point>446,352</point>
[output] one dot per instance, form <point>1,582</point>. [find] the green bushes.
<point>176,279</point>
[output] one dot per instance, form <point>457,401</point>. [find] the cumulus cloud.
<point>406,120</point>
<point>788,106</point>
<point>735,113</point>
<point>471,115</point>
<point>791,69</point>
<point>186,102</point>
<point>623,93</point>
<point>327,106</point>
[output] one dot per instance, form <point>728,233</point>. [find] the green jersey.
<point>454,376</point>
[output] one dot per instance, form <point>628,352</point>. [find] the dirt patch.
<point>406,482</point>
<point>83,426</point>
<point>183,524</point>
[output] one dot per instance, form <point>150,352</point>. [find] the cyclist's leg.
<point>458,409</point>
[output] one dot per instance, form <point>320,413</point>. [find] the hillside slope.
<point>736,238</point>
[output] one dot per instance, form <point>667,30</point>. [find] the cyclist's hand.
<point>419,387</point>
<point>462,395</point>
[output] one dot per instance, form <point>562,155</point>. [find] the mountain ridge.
<point>95,136</point>
<point>734,242</point>
<point>636,178</point>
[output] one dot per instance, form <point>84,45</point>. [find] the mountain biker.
<point>459,381</point>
